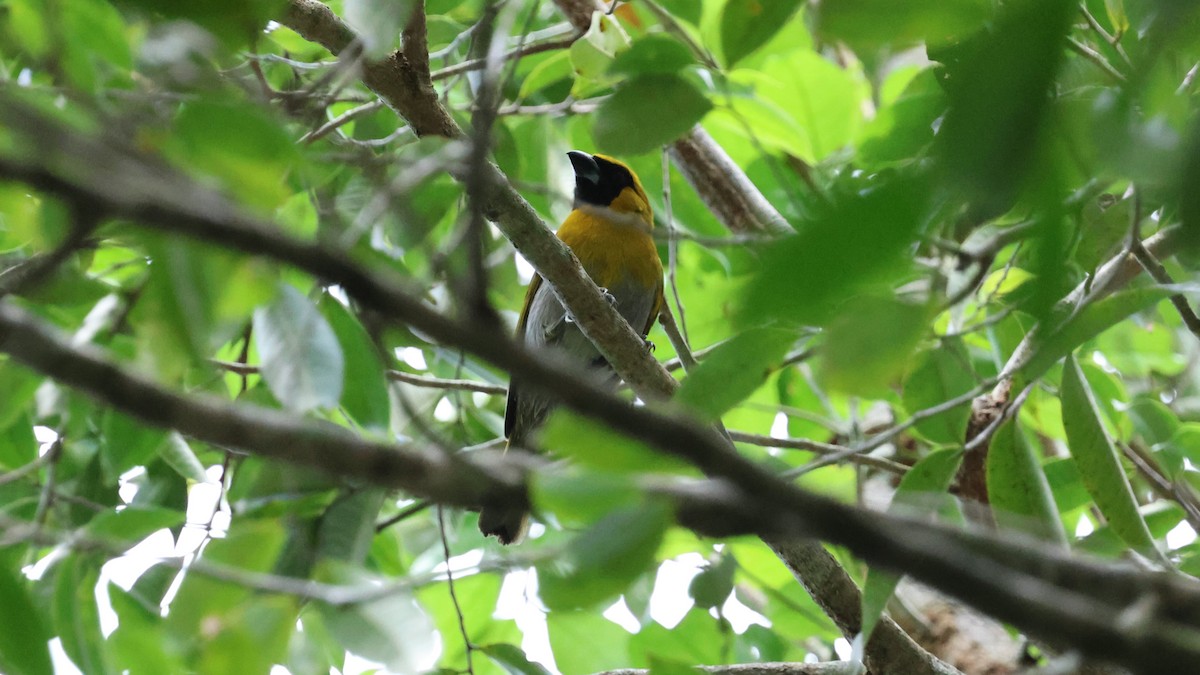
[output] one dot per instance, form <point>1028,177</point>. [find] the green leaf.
<point>126,442</point>
<point>554,68</point>
<point>733,370</point>
<point>930,476</point>
<point>203,604</point>
<point>654,54</point>
<point>18,445</point>
<point>623,125</point>
<point>579,497</point>
<point>942,374</point>
<point>747,25</point>
<point>824,101</point>
<point>302,362</point>
<point>252,639</point>
<point>76,614</point>
<point>585,642</point>
<point>1018,489</point>
<point>862,23</point>
<point>604,559</point>
<point>1098,461</point>
<point>592,54</point>
<point>477,596</point>
<point>512,660</point>
<point>1154,422</point>
<point>1084,325</point>
<point>348,525</point>
<point>596,445</point>
<point>364,385</point>
<point>697,639</point>
<point>381,630</point>
<point>859,240</point>
<point>18,384</point>
<point>176,452</point>
<point>857,357</point>
<point>712,586</point>
<point>999,83</point>
<point>132,524</point>
<point>254,154</point>
<point>139,644</point>
<point>23,635</point>
<point>235,22</point>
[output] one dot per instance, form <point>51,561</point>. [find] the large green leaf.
<point>870,24</point>
<point>596,445</point>
<point>1099,462</point>
<point>824,100</point>
<point>604,559</point>
<point>302,361</point>
<point>577,497</point>
<point>629,122</point>
<point>1017,487</point>
<point>76,614</point>
<point>23,634</point>
<point>235,22</point>
<point>857,241</point>
<point>364,387</point>
<point>654,54</point>
<point>251,546</point>
<point>943,373</point>
<point>585,642</point>
<point>176,452</point>
<point>1082,326</point>
<point>696,639</point>
<point>382,629</point>
<point>513,660</point>
<point>733,370</point>
<point>747,25</point>
<point>858,358</point>
<point>999,83</point>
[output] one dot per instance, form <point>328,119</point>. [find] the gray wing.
<point>547,327</point>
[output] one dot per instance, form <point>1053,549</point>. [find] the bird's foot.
<point>612,299</point>
<point>649,345</point>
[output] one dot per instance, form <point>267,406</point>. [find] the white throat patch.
<point>633,220</point>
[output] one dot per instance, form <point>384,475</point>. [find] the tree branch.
<point>449,479</point>
<point>395,82</point>
<point>828,668</point>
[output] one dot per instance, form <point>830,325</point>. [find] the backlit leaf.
<point>623,127</point>
<point>1099,462</point>
<point>302,361</point>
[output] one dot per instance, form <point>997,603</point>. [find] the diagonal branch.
<point>396,82</point>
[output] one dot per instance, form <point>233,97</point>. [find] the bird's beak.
<point>586,169</point>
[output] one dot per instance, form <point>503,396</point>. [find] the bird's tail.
<point>509,524</point>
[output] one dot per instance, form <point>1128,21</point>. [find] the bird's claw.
<point>649,345</point>
<point>612,299</point>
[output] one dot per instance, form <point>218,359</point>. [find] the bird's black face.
<point>597,180</point>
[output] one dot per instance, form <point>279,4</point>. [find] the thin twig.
<point>405,513</point>
<point>1156,270</point>
<point>673,249</point>
<point>23,471</point>
<point>346,117</point>
<point>462,622</point>
<point>519,52</point>
<point>1113,40</point>
<point>1096,58</point>
<point>819,448</point>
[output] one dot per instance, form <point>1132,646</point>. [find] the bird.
<point>608,230</point>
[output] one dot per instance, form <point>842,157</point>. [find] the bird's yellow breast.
<point>612,252</point>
